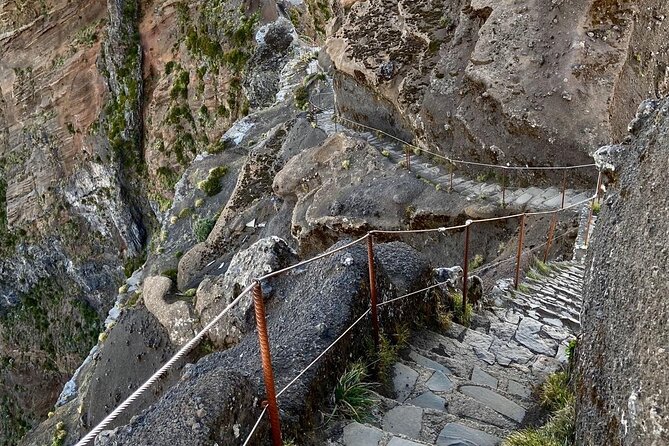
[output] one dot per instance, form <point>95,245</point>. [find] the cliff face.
<point>623,356</point>
<point>501,81</point>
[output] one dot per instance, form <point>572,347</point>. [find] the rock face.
<point>623,355</point>
<point>502,81</point>
<point>310,309</point>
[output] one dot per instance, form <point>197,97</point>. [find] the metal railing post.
<point>407,154</point>
<point>465,268</point>
<point>504,189</point>
<point>521,241</point>
<point>587,228</point>
<point>564,187</point>
<point>599,187</point>
<point>268,373</point>
<point>372,290</point>
<point>551,234</point>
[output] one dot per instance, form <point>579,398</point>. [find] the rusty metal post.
<point>564,186</point>
<point>465,268</point>
<point>587,228</point>
<point>268,373</point>
<point>551,234</point>
<point>504,189</point>
<point>451,186</point>
<point>372,290</point>
<point>599,187</point>
<point>521,241</point>
<point>408,157</point>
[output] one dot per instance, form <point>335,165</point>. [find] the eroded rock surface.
<point>502,81</point>
<point>622,356</point>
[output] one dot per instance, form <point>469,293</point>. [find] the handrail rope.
<point>182,352</point>
<point>484,268</point>
<point>313,259</point>
<point>453,160</point>
<point>255,426</point>
<point>483,220</point>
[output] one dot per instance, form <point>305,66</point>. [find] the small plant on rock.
<point>541,267</point>
<point>203,228</point>
<point>461,314</point>
<point>476,262</point>
<point>352,396</point>
<point>212,185</point>
<point>59,435</point>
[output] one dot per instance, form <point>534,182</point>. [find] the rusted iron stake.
<point>551,234</point>
<point>587,228</point>
<point>504,190</point>
<point>465,267</point>
<point>372,290</point>
<point>564,186</point>
<point>451,169</point>
<point>408,157</point>
<point>268,373</point>
<point>521,241</point>
<point>599,187</point>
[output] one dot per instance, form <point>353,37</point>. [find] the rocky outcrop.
<point>622,355</point>
<point>521,82</point>
<point>310,309</point>
<point>172,313</point>
<point>215,293</point>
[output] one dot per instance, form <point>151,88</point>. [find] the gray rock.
<point>528,335</point>
<point>397,441</point>
<point>175,317</point>
<point>428,363</point>
<point>508,352</point>
<point>439,382</point>
<point>477,339</point>
<point>404,420</point>
<point>483,378</point>
<point>451,276</point>
<point>215,293</point>
<point>495,401</point>
<point>502,330</point>
<point>518,389</point>
<point>456,434</point>
<point>356,434</point>
<point>429,400</point>
<point>404,381</point>
<point>485,355</point>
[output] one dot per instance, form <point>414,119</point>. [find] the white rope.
<point>137,393</point>
<point>457,161</point>
<point>255,426</point>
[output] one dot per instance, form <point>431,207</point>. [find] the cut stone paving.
<point>478,382</point>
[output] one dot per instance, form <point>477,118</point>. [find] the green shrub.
<point>353,398</point>
<point>212,185</point>
<point>571,349</point>
<point>476,262</point>
<point>596,207</point>
<point>541,267</point>
<point>203,228</point>
<point>59,435</point>
<point>301,97</point>
<point>555,392</point>
<point>463,316</point>
<point>171,273</point>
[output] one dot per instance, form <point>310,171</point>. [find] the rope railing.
<point>272,406</point>
<point>255,287</point>
<point>337,117</point>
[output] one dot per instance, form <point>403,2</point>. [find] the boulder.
<point>216,293</point>
<point>175,316</point>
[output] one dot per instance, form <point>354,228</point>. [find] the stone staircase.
<point>473,386</point>
<point>516,198</point>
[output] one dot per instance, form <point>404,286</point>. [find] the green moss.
<point>134,263</point>
<point>171,273</point>
<point>212,184</point>
<point>202,228</point>
<point>168,177</point>
<point>301,97</point>
<point>180,85</point>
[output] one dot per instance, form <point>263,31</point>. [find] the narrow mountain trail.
<point>474,386</point>
<point>514,198</point>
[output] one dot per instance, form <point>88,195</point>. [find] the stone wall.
<point>624,351</point>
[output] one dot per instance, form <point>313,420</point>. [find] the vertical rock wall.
<point>623,355</point>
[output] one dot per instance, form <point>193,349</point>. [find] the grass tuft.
<point>462,315</point>
<point>555,392</point>
<point>353,397</point>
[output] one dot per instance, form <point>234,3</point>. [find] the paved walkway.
<point>474,386</point>
<point>516,199</point>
